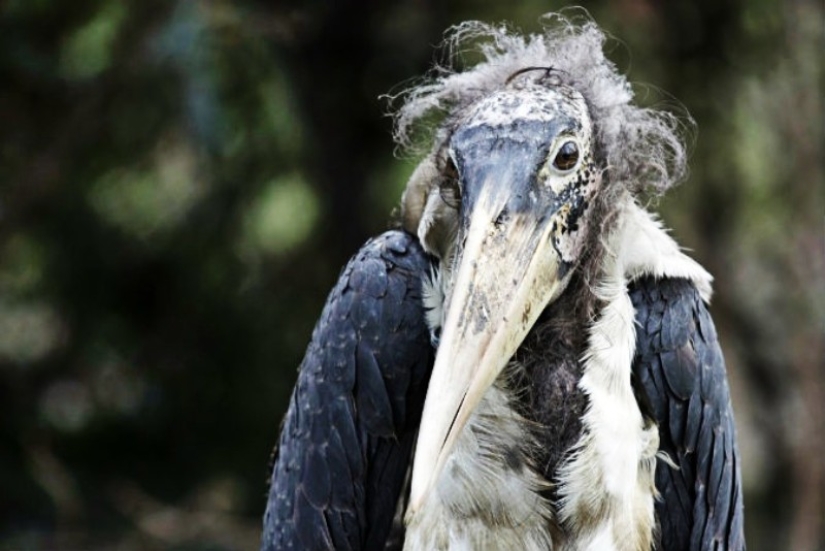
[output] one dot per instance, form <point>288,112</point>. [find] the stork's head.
<point>537,143</point>
<point>517,182</point>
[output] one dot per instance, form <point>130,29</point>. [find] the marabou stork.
<point>527,362</point>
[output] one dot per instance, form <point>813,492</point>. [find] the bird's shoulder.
<point>680,371</point>
<point>348,432</point>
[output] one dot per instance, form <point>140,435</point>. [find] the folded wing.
<point>347,437</point>
<point>680,368</point>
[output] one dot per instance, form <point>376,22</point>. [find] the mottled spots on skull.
<point>511,102</point>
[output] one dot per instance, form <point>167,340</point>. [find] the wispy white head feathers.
<point>640,148</point>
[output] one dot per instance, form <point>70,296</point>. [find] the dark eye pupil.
<point>567,156</point>
<point>450,190</point>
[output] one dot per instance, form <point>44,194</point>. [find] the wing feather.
<point>680,367</point>
<point>347,437</point>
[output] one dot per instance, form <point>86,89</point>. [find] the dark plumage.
<point>680,366</point>
<point>347,437</point>
<point>547,375</point>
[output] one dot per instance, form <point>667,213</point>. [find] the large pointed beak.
<point>507,273</point>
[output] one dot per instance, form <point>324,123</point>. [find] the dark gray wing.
<point>679,366</point>
<point>347,437</point>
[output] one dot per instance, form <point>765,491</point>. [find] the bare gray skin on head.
<point>550,117</point>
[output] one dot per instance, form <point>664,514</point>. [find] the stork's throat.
<point>545,378</point>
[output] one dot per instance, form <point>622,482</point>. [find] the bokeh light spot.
<point>67,405</point>
<point>145,201</point>
<point>88,51</point>
<point>28,331</point>
<point>22,264</point>
<point>283,216</point>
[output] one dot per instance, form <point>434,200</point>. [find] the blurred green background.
<point>181,181</point>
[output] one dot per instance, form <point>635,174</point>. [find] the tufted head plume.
<point>639,150</point>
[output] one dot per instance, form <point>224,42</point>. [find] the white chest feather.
<point>607,486</point>
<point>487,495</point>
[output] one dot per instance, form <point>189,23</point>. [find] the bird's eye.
<point>449,186</point>
<point>567,156</point>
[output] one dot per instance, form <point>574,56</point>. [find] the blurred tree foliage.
<point>181,181</point>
